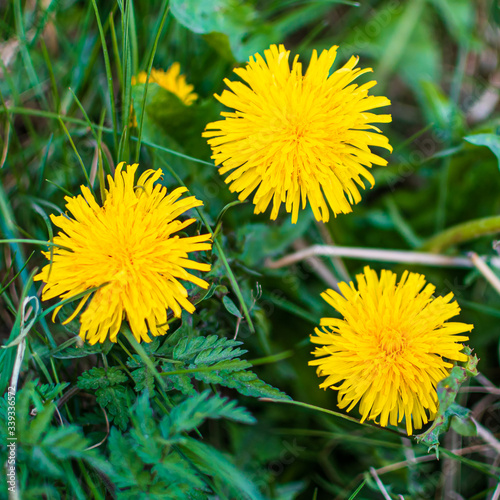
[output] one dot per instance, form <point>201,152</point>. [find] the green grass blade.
<point>150,66</point>
<point>109,75</point>
<point>66,131</point>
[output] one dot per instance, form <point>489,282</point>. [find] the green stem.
<point>331,412</point>
<point>34,242</point>
<point>222,255</point>
<point>274,358</point>
<point>462,232</point>
<point>143,355</point>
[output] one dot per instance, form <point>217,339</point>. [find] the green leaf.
<point>125,462</point>
<point>50,391</point>
<point>144,430</point>
<point>441,111</point>
<point>248,384</point>
<point>181,383</point>
<point>216,464</point>
<point>115,401</point>
<point>447,391</point>
<point>40,424</point>
<point>164,108</point>
<point>491,141</point>
<point>45,464</point>
<point>65,442</point>
<point>101,378</point>
<point>192,412</point>
<point>143,377</point>
<point>220,353</point>
<point>230,17</point>
<point>464,425</point>
<point>231,307</point>
<point>208,349</point>
<point>219,371</point>
<point>173,470</point>
<point>235,374</point>
<point>262,241</point>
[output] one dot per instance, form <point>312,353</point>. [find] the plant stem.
<point>462,232</point>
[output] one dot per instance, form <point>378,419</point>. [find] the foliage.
<point>450,413</point>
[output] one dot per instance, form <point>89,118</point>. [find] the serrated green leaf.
<point>221,371</point>
<point>220,353</point>
<point>216,464</point>
<point>143,379</point>
<point>49,391</point>
<point>125,462</point>
<point>173,470</point>
<point>41,461</point>
<point>100,378</point>
<point>65,442</point>
<point>188,350</point>
<point>181,383</point>
<point>115,401</point>
<point>447,391</point>
<point>248,384</point>
<point>235,375</point>
<point>144,429</point>
<point>40,424</point>
<point>142,375</point>
<point>192,412</point>
<point>48,452</point>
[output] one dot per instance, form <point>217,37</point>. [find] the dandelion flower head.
<point>128,248</point>
<point>170,80</point>
<point>295,137</point>
<point>392,347</point>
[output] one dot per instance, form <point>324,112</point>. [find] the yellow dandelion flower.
<point>296,138</point>
<point>129,247</point>
<point>170,80</point>
<point>392,347</point>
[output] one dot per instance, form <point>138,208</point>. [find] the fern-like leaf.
<point>115,401</point>
<point>207,350</point>
<point>193,411</point>
<point>97,378</point>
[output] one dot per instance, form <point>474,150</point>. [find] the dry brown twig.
<point>378,254</point>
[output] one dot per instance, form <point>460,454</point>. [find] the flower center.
<point>392,341</point>
<point>295,129</point>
